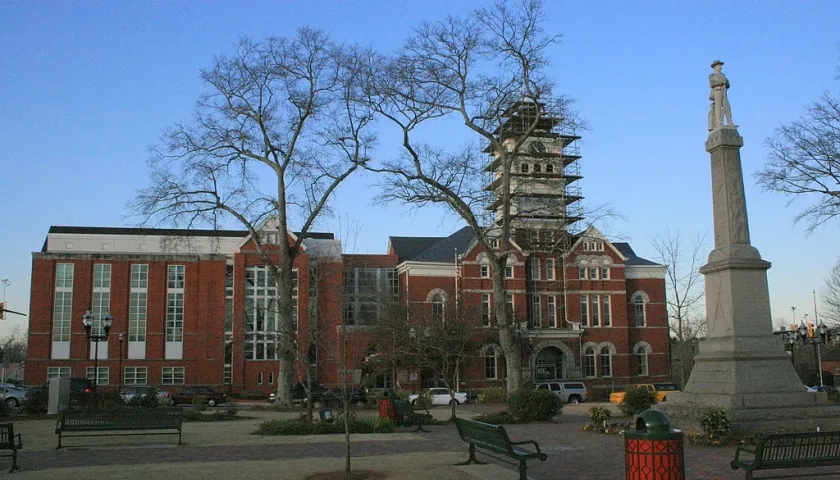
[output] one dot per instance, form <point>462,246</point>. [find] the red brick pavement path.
<point>572,454</point>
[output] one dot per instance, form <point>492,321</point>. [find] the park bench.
<point>408,415</point>
<point>10,441</point>
<point>494,441</point>
<point>789,450</point>
<point>125,421</point>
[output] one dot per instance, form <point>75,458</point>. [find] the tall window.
<point>509,267</point>
<point>642,356</point>
<point>606,362</point>
<point>582,273</point>
<point>535,268</point>
<point>172,376</point>
<point>367,294</point>
<point>101,302</point>
<point>552,311</point>
<point>593,273</point>
<point>596,318</point>
<point>484,270</point>
<point>102,378</point>
<point>263,316</point>
<point>437,308</point>
<point>227,372</point>
<point>549,269</point>
<point>136,376</point>
<point>638,310</point>
<point>584,307</point>
<point>509,307</point>
<point>485,309</point>
<point>175,303</point>
<point>137,303</point>
<point>523,168</point>
<point>605,273</point>
<point>606,315</point>
<point>589,362</point>
<point>63,303</point>
<point>536,312</point>
<point>490,364</point>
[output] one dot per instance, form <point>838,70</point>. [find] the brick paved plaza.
<point>225,450</point>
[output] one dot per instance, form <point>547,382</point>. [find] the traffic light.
<point>810,330</point>
<point>2,310</point>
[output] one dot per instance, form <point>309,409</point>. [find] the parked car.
<point>80,390</point>
<point>569,392</point>
<point>131,394</point>
<point>299,393</point>
<point>440,396</point>
<point>829,389</point>
<point>188,394</point>
<point>355,396</point>
<point>12,395</point>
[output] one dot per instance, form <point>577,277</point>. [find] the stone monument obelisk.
<point>741,366</point>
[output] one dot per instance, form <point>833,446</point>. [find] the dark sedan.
<point>189,394</point>
<point>333,397</point>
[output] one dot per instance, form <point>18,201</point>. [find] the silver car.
<point>569,392</point>
<point>137,393</point>
<point>12,395</point>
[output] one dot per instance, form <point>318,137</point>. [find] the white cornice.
<point>634,272</point>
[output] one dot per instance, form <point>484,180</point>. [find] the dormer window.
<point>600,246</point>
<point>523,168</point>
<point>549,168</point>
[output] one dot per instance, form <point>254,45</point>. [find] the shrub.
<point>715,423</point>
<point>200,402</point>
<point>529,405</point>
<point>36,402</point>
<point>424,399</point>
<point>218,416</point>
<point>300,426</point>
<point>637,399</point>
<point>598,417</point>
<point>492,395</point>
<point>500,418</point>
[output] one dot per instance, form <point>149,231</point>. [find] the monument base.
<point>761,393</point>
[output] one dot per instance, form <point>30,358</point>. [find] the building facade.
<point>197,307</point>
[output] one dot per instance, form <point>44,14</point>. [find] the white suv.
<point>570,392</point>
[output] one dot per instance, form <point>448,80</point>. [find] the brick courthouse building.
<point>194,307</point>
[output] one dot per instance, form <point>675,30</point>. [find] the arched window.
<point>537,168</point>
<point>589,362</point>
<point>437,308</point>
<point>642,355</point>
<point>639,309</point>
<point>549,168</point>
<point>523,168</point>
<point>606,362</point>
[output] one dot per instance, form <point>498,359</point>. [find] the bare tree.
<point>281,126</point>
<point>804,162</point>
<point>485,70</point>
<point>684,294</point>
<point>831,294</point>
<point>14,345</point>
<point>418,340</point>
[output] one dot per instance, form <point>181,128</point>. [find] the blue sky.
<point>86,87</point>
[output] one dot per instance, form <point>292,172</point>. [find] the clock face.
<point>537,147</point>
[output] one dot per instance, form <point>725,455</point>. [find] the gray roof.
<point>632,258</point>
<point>432,249</point>
<point>174,232</point>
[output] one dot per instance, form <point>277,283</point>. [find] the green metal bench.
<point>493,439</point>
<point>789,450</point>
<point>127,421</point>
<point>409,415</point>
<point>9,440</point>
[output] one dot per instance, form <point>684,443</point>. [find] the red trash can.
<point>653,451</point>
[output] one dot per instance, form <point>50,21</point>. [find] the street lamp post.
<point>121,338</point>
<point>819,338</point>
<point>87,320</point>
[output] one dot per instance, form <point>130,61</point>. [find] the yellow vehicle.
<point>660,389</point>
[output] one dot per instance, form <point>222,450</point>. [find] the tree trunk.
<point>506,322</point>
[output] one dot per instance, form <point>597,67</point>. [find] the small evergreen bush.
<point>300,426</point>
<point>36,402</point>
<point>499,418</point>
<point>492,395</point>
<point>715,423</point>
<point>637,399</point>
<point>598,417</point>
<point>529,405</point>
<point>200,402</point>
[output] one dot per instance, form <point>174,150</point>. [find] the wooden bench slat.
<point>792,450</point>
<point>121,420</point>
